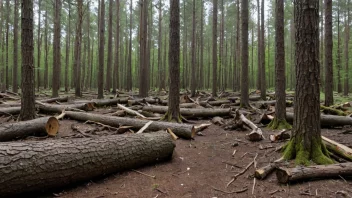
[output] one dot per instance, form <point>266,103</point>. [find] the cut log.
<point>263,172</point>
<point>37,127</point>
<point>191,112</point>
<point>52,100</point>
<point>337,148</point>
<point>327,120</point>
<point>256,134</point>
<point>282,135</point>
<point>286,175</point>
<point>50,108</point>
<point>45,165</point>
<point>181,130</point>
<point>10,110</point>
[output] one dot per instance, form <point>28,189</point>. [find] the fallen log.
<point>51,108</point>
<point>263,172</point>
<point>45,165</point>
<point>181,130</point>
<point>52,100</point>
<point>282,135</point>
<point>191,112</point>
<point>327,120</point>
<point>286,175</point>
<point>332,111</point>
<point>37,127</point>
<point>337,148</point>
<point>10,110</point>
<point>256,134</point>
<point>130,111</point>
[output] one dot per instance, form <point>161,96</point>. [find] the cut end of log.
<point>193,133</point>
<point>90,106</point>
<point>258,173</point>
<point>52,126</point>
<point>283,175</point>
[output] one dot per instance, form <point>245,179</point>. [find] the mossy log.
<point>337,148</point>
<point>302,173</point>
<point>45,165</point>
<point>332,111</point>
<point>191,112</point>
<point>37,127</point>
<point>327,120</point>
<point>181,130</point>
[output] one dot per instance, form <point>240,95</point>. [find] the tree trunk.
<point>38,46</point>
<point>306,144</point>
<point>347,40</point>
<point>338,59</point>
<point>37,127</point>
<point>201,77</point>
<point>129,68</point>
<point>215,42</point>
<point>173,111</point>
<point>109,58</point>
<point>46,64</point>
<point>52,100</point>
<point>143,67</point>
<point>329,85</point>
<point>78,47</point>
<point>15,48</point>
<point>10,110</point>
<point>7,44</point>
<point>56,51</point>
<point>181,130</point>
<point>68,40</point>
<point>244,48</point>
<point>74,164</point>
<point>262,58</point>
<point>115,78</point>
<point>280,84</point>
<point>285,175</point>
<point>327,120</point>
<point>101,51</point>
<point>52,108</point>
<point>27,46</point>
<point>194,69</point>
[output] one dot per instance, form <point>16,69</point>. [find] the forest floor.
<point>201,168</point>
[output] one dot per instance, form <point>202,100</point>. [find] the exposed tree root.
<point>295,150</point>
<point>279,124</point>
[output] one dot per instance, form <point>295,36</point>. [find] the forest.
<point>175,98</point>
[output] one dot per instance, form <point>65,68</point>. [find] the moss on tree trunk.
<point>279,124</point>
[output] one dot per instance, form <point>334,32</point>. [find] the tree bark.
<point>338,59</point>
<point>68,40</point>
<point>327,120</point>
<point>78,48</point>
<point>37,127</point>
<point>285,175</point>
<point>191,112</point>
<point>306,144</point>
<point>115,79</point>
<point>143,81</point>
<point>347,40</point>
<point>101,51</point>
<point>56,49</point>
<point>74,163</point>
<point>46,40</point>
<point>15,48</point>
<point>51,108</point>
<point>329,75</point>
<point>215,41</point>
<point>27,83</point>
<point>181,130</point>
<point>244,57</point>
<point>194,69</point>
<point>262,54</point>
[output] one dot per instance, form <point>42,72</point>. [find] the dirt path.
<point>198,167</point>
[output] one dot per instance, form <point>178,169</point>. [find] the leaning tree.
<point>306,144</point>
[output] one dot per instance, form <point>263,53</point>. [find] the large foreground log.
<point>44,165</point>
<point>327,120</point>
<point>181,130</point>
<point>37,127</point>
<point>285,175</point>
<point>191,112</point>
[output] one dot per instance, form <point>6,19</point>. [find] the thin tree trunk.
<point>329,98</point>
<point>143,67</point>
<point>101,51</point>
<point>68,40</point>
<point>262,58</point>
<point>338,59</point>
<point>57,51</point>
<point>129,69</point>
<point>259,47</point>
<point>109,58</point>
<point>201,68</point>
<point>160,39</point>
<point>27,46</point>
<point>46,64</point>
<point>115,80</point>
<point>194,69</point>
<point>244,36</point>
<point>215,41</point>
<point>347,40</point>
<point>15,49</point>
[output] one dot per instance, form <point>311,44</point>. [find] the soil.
<point>202,168</point>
